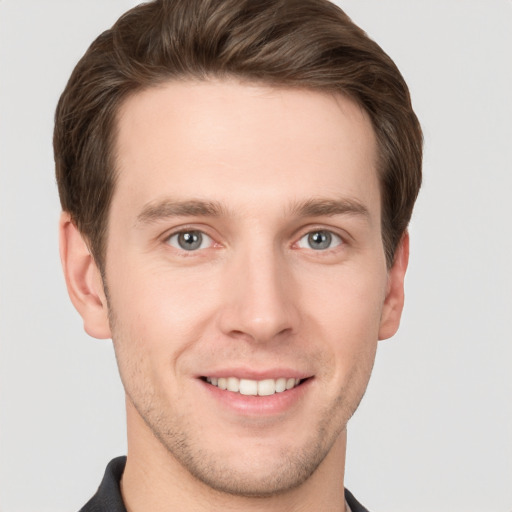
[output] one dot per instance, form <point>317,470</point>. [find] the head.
<point>242,174</point>
<point>310,44</point>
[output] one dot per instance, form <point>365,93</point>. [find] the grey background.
<point>434,431</point>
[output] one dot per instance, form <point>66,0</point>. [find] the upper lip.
<point>253,374</point>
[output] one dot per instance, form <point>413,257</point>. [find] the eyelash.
<point>177,234</point>
<point>329,236</point>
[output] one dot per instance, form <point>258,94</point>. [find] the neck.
<point>154,480</point>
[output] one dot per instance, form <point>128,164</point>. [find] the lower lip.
<point>250,405</point>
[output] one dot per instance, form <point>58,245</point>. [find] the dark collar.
<point>108,498</point>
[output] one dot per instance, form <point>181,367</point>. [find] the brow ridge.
<point>166,208</point>
<point>315,207</point>
<point>330,207</point>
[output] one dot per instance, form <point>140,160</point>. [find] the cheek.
<point>159,313</point>
<point>345,313</point>
<point>347,298</point>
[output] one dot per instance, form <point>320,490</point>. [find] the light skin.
<point>244,241</point>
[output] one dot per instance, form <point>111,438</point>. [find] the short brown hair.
<point>309,44</point>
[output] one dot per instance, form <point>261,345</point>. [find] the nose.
<point>260,303</point>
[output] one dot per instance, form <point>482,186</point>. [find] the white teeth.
<point>250,387</point>
<point>266,387</point>
<point>280,385</point>
<point>233,384</point>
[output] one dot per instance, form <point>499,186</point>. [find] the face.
<point>246,277</point>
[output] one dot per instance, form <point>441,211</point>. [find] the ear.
<point>394,301</point>
<point>83,279</point>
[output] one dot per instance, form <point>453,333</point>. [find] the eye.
<point>320,240</point>
<point>190,240</point>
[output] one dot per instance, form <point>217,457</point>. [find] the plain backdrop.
<point>434,432</point>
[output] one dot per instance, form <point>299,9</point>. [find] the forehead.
<point>226,140</point>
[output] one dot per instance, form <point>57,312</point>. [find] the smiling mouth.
<point>250,387</point>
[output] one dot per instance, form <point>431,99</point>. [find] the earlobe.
<point>83,279</point>
<point>394,301</point>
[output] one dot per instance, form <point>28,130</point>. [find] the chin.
<point>257,476</point>
<point>263,468</point>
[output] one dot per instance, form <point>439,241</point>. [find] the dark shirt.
<point>108,498</point>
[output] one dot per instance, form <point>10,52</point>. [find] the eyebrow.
<point>167,208</point>
<point>154,212</point>
<point>330,207</point>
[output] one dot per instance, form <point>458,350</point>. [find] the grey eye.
<point>189,240</point>
<point>320,240</point>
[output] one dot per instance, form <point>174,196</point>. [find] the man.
<point>236,179</point>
